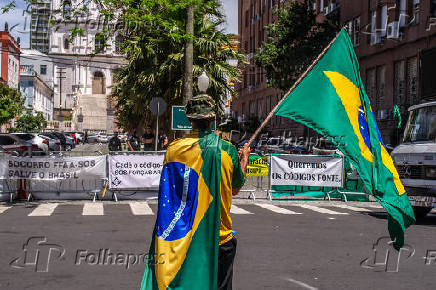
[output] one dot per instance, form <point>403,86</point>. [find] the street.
<point>281,245</point>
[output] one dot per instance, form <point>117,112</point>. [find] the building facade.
<point>395,42</point>
<point>84,70</point>
<point>38,94</point>
<point>39,25</point>
<point>10,60</point>
<point>38,62</point>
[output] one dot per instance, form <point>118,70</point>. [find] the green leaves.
<point>11,103</point>
<point>293,43</point>
<point>156,57</point>
<point>30,123</point>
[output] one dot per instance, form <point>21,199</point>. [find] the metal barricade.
<point>255,185</point>
<point>66,189</point>
<point>8,187</point>
<point>149,193</point>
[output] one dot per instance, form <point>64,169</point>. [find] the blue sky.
<point>19,20</point>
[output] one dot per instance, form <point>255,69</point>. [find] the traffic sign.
<point>158,106</point>
<point>179,121</point>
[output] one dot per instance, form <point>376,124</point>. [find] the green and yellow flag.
<point>184,249</point>
<point>331,100</point>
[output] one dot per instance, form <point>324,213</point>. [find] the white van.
<point>415,158</point>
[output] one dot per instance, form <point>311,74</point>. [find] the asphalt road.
<point>291,245</point>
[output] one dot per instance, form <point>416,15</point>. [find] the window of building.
<point>252,108</point>
<point>412,82</point>
<point>384,20</point>
<point>381,71</point>
<point>414,7</point>
<point>247,18</point>
<point>356,31</point>
<point>67,9</point>
<point>260,108</point>
<point>371,87</point>
<point>399,82</point>
<point>118,42</point>
<point>66,43</point>
<point>98,83</point>
<point>243,111</point>
<point>99,42</point>
<point>433,8</point>
<point>43,69</point>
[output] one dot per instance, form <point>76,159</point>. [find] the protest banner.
<point>306,170</point>
<point>49,168</point>
<point>135,171</point>
<point>257,166</point>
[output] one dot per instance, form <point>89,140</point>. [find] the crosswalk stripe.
<point>319,209</point>
<point>373,205</point>
<point>353,208</point>
<point>237,210</point>
<point>44,209</point>
<point>140,208</point>
<point>276,209</point>
<point>3,208</point>
<point>93,208</point>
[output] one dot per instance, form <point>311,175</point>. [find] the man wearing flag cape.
<point>193,246</point>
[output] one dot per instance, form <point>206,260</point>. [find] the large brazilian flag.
<point>331,100</point>
<point>184,249</point>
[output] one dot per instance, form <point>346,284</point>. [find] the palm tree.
<point>156,58</point>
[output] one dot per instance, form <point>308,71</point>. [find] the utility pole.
<point>189,54</point>
<point>61,75</point>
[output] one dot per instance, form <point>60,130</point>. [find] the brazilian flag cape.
<point>184,249</point>
<point>331,100</point>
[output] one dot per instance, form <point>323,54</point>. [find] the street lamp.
<point>203,82</point>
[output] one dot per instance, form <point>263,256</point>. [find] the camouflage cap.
<point>200,107</point>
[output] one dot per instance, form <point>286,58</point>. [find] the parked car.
<point>12,143</point>
<point>54,144</point>
<point>261,146</point>
<point>4,152</point>
<point>273,144</point>
<point>70,143</point>
<point>252,145</point>
<point>35,139</point>
<point>80,137</point>
<point>97,138</point>
<point>61,138</point>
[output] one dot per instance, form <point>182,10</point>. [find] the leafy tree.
<point>30,123</point>
<point>155,54</point>
<point>294,42</point>
<point>11,103</point>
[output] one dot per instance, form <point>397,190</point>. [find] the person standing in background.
<point>133,142</point>
<point>148,139</point>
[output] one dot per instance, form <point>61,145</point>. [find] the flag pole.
<point>270,115</point>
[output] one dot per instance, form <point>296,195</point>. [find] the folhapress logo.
<point>385,258</point>
<point>38,254</point>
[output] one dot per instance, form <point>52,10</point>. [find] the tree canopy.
<point>11,103</point>
<point>294,42</point>
<point>30,123</point>
<point>155,54</point>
